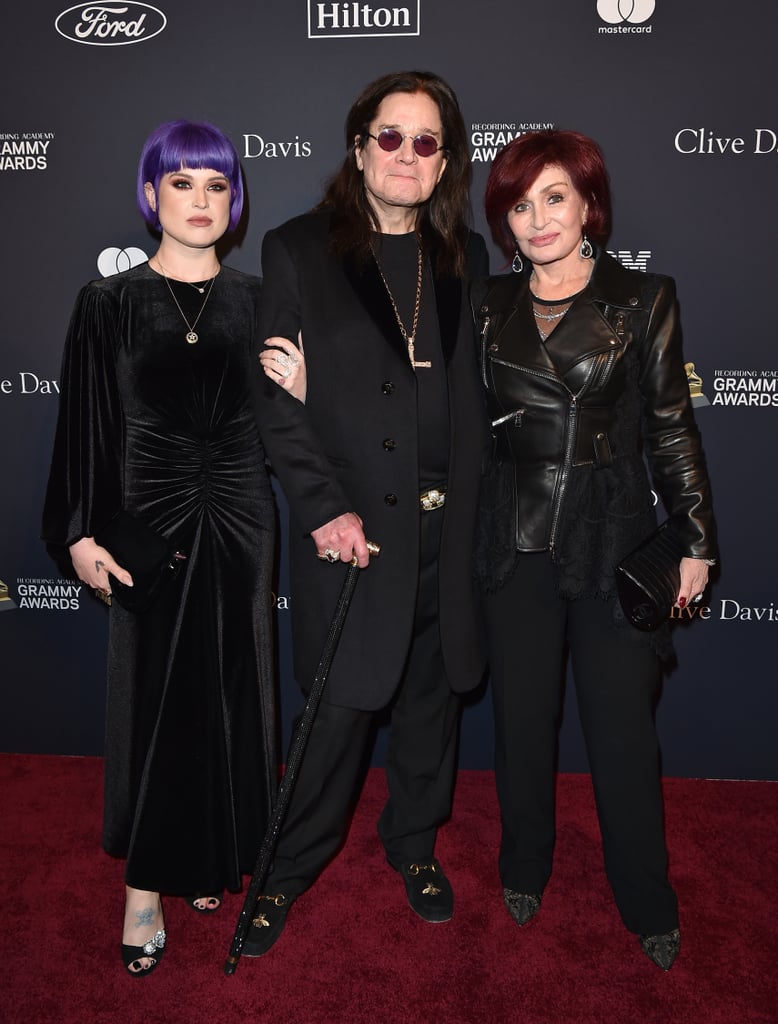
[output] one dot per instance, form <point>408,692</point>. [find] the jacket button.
<point>612,341</point>
<point>601,436</point>
<point>390,499</point>
<point>494,347</point>
<point>387,387</point>
<point>633,301</point>
<point>389,444</point>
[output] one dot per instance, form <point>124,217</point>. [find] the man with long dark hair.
<point>387,443</point>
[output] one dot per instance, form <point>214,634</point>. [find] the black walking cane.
<point>293,761</point>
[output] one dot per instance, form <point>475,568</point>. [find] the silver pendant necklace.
<point>192,337</point>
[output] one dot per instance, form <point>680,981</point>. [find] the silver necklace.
<point>191,336</point>
<point>549,316</point>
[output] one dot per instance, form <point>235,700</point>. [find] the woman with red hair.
<point>584,371</point>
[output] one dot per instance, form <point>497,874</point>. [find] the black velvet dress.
<point>165,429</point>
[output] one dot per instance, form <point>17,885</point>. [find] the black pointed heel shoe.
<point>662,949</point>
<point>522,906</point>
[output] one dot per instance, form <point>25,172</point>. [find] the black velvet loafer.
<point>267,924</point>
<point>522,906</point>
<point>662,949</point>
<point>429,891</point>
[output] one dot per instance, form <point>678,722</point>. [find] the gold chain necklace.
<point>409,339</point>
<point>191,335</point>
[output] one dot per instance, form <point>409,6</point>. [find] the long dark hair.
<point>442,220</point>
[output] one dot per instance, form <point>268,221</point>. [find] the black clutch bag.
<point>649,578</point>
<point>151,559</point>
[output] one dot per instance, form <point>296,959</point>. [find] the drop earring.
<point>518,263</point>
<point>586,249</point>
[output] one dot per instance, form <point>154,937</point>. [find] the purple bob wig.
<point>193,144</point>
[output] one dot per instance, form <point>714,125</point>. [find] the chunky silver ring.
<point>328,555</point>
<point>697,599</point>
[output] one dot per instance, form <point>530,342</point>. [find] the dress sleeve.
<point>84,490</point>
<point>670,433</point>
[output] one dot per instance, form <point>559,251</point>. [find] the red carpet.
<point>353,951</point>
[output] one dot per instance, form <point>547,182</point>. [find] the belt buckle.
<point>432,499</point>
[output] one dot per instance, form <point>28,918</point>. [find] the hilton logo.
<point>339,20</point>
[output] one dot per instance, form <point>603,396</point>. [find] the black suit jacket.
<point>330,457</point>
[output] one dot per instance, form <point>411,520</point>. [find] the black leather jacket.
<point>572,419</point>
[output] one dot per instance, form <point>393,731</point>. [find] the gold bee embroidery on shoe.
<point>261,921</point>
<point>429,889</point>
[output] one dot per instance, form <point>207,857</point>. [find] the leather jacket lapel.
<point>521,344</point>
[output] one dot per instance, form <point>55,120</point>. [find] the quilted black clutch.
<point>649,578</point>
<point>149,557</point>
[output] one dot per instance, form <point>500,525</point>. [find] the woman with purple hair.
<point>156,420</point>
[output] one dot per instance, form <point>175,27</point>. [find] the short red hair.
<point>517,166</point>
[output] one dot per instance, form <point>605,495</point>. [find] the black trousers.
<point>420,760</point>
<point>617,677</point>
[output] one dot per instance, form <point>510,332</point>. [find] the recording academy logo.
<point>343,20</point>
<point>487,138</point>
<point>110,24</point>
<point>698,396</point>
<point>6,604</point>
<point>113,261</point>
<point>625,15</point>
<point>754,389</point>
<point>40,594</point>
<point>25,151</point>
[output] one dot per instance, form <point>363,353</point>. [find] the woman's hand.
<point>284,363</point>
<point>93,563</point>
<point>694,580</point>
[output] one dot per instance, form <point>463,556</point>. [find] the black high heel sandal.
<point>154,949</point>
<point>205,896</point>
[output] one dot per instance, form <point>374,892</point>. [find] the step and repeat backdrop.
<point>680,94</point>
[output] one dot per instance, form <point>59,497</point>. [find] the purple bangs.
<point>193,144</point>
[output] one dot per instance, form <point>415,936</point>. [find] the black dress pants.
<point>617,676</point>
<point>420,760</point>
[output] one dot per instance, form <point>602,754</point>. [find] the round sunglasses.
<point>389,139</point>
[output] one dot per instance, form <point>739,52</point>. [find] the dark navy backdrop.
<point>681,94</point>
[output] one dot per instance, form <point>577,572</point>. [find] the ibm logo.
<point>341,20</point>
<point>637,262</point>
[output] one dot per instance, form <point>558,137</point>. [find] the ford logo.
<point>110,24</point>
